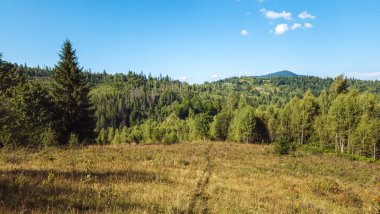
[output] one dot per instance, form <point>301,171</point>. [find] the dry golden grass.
<point>199,177</point>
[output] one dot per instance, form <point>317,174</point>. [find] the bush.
<point>48,137</point>
<point>7,139</point>
<point>170,138</point>
<point>73,140</point>
<point>284,146</point>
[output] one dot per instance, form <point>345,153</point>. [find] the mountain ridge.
<point>283,73</point>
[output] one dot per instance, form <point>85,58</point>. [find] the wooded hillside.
<point>68,105</point>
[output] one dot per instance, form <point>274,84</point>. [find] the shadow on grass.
<point>52,191</point>
<point>127,175</point>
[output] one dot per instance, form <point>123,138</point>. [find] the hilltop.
<point>283,73</point>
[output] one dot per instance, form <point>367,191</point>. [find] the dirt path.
<point>198,202</point>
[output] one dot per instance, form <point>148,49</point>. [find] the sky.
<point>198,40</point>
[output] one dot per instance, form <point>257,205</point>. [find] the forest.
<point>69,106</point>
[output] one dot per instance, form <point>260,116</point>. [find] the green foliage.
<point>219,126</point>
<point>243,125</point>
<point>25,112</point>
<point>73,140</point>
<point>134,108</point>
<point>284,146</point>
<point>116,138</point>
<point>170,138</point>
<point>48,137</point>
<point>339,86</point>
<point>201,126</point>
<point>71,95</point>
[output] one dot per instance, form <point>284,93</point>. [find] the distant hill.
<point>284,73</point>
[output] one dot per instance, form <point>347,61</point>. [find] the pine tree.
<point>9,76</point>
<point>71,95</point>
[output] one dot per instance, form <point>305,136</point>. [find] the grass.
<point>198,177</point>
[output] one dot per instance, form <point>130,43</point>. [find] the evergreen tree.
<point>124,135</point>
<point>219,127</point>
<point>71,94</point>
<point>102,137</point>
<point>9,76</point>
<point>201,128</point>
<point>111,134</point>
<point>116,139</point>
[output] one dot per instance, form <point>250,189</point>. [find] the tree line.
<point>34,112</point>
<point>68,105</point>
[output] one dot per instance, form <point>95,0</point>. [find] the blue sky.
<point>198,40</point>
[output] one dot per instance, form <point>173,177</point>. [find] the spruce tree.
<point>71,95</point>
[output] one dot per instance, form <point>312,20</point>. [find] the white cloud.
<point>308,25</point>
<point>365,75</point>
<point>244,32</point>
<point>274,15</point>
<point>182,78</point>
<point>215,76</point>
<point>306,15</point>
<point>243,73</point>
<point>281,29</point>
<point>295,26</point>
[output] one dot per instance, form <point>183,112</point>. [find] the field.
<point>198,177</point>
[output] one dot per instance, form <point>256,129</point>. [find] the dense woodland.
<point>67,105</point>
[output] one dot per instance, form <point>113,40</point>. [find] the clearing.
<point>198,177</point>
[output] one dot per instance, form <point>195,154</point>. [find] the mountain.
<point>284,73</point>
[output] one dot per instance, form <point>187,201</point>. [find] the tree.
<point>289,120</point>
<point>231,102</point>
<point>284,146</point>
<point>219,127</point>
<point>243,125</point>
<point>201,126</point>
<point>102,137</point>
<point>116,138</point>
<point>110,134</point>
<point>9,76</point>
<point>124,135</point>
<point>339,86</point>
<point>25,112</point>
<point>308,110</point>
<point>344,116</point>
<point>366,138</point>
<point>71,95</point>
<point>273,121</point>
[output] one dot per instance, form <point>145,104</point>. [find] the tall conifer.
<point>71,94</point>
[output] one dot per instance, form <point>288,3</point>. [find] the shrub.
<point>284,146</point>
<point>48,137</point>
<point>73,140</point>
<point>170,138</point>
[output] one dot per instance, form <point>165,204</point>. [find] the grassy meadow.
<point>198,177</point>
